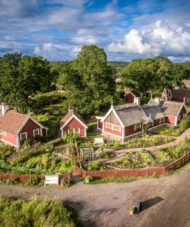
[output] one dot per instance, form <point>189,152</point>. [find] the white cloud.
<point>84,36</point>
<point>133,43</point>
<point>56,51</point>
<point>157,40</point>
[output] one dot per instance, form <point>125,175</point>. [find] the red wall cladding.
<point>75,124</point>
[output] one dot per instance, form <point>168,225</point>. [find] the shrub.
<point>34,213</point>
<point>95,165</point>
<point>114,145</point>
<point>88,179</point>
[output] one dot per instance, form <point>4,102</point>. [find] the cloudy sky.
<point>126,29</point>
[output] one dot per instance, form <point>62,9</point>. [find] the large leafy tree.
<point>151,75</point>
<point>21,77</point>
<point>88,81</point>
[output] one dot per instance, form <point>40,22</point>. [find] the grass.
<point>114,179</point>
<point>17,212</point>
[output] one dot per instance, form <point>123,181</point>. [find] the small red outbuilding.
<point>16,127</point>
<point>72,123</point>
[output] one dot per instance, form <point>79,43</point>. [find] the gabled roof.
<point>69,116</point>
<point>172,108</point>
<point>13,122</point>
<point>154,111</point>
<point>180,93</point>
<point>130,114</point>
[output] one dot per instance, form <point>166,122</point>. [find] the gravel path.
<point>165,201</point>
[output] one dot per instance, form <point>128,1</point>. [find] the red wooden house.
<point>72,123</point>
<point>130,120</point>
<point>130,96</point>
<point>16,127</point>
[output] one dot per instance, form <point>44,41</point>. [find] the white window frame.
<point>74,131</point>
<point>36,130</point>
<point>23,133</point>
<point>137,126</point>
<point>113,127</point>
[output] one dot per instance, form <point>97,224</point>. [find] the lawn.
<point>17,212</point>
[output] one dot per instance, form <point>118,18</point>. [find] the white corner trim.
<point>40,125</point>
<point>73,116</point>
<point>130,93</point>
<point>183,105</point>
<point>109,111</point>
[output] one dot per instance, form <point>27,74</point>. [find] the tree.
<point>88,81</point>
<point>151,75</point>
<point>21,77</point>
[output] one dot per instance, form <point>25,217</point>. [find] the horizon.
<point>57,29</point>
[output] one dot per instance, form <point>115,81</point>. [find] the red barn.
<point>16,127</point>
<point>72,123</point>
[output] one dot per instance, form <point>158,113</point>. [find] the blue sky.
<point>126,29</point>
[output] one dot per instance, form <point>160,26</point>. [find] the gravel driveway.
<point>165,201</point>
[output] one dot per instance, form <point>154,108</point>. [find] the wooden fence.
<point>133,172</point>
<point>24,178</point>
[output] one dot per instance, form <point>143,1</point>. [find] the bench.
<point>51,179</point>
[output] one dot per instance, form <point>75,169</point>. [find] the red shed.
<point>16,127</point>
<point>72,123</point>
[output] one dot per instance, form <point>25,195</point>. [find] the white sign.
<point>98,141</point>
<point>52,179</point>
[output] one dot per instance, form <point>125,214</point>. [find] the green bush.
<point>114,145</point>
<point>106,154</point>
<point>95,165</point>
<point>34,213</point>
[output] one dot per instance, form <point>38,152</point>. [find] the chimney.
<point>4,108</point>
<point>137,101</point>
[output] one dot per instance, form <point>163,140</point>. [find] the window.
<point>113,127</point>
<point>137,126</point>
<point>23,136</point>
<point>74,130</point>
<point>36,132</point>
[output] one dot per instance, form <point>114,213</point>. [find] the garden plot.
<point>141,159</point>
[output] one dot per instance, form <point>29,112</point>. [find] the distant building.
<point>130,96</point>
<point>179,94</point>
<point>72,123</point>
<point>15,127</point>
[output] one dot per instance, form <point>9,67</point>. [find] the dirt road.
<point>166,201</point>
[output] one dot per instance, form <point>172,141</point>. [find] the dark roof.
<point>153,111</point>
<point>171,108</point>
<point>130,114</point>
<point>180,93</point>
